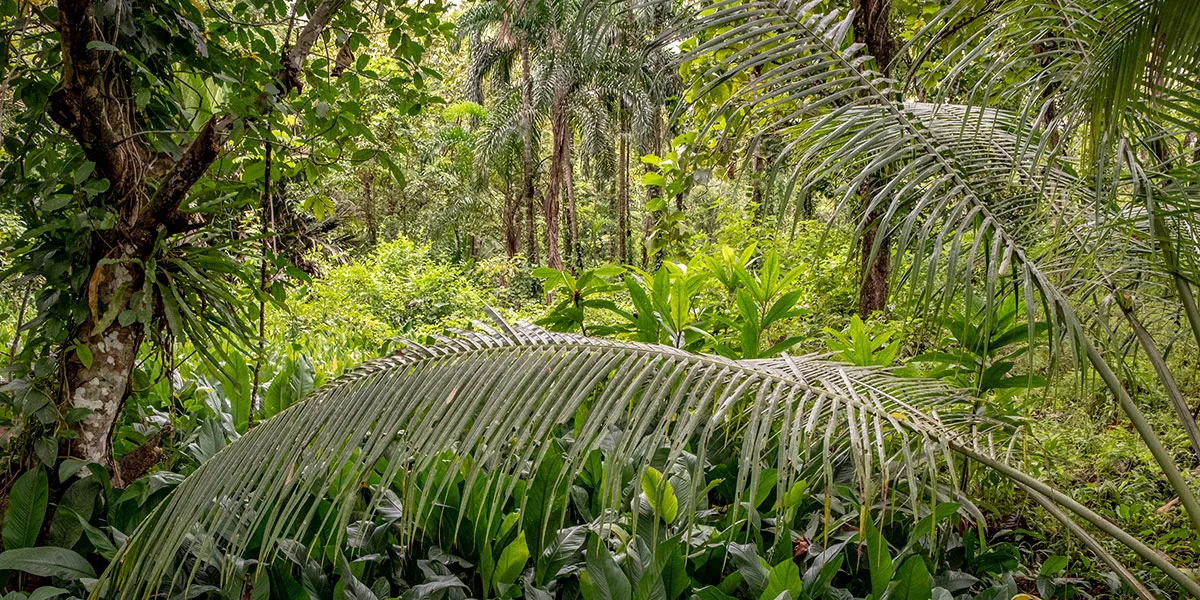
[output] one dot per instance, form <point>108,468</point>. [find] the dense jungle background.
<point>601,299</point>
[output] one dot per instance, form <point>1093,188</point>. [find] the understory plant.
<point>493,457</point>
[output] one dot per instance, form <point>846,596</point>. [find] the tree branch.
<point>163,207</point>
<point>293,60</point>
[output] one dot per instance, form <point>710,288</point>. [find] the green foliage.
<point>865,345</point>
<point>1033,196</point>
<point>717,303</point>
<point>398,290</point>
<point>987,341</point>
<point>27,504</point>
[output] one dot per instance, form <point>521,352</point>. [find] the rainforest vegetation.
<point>599,299</point>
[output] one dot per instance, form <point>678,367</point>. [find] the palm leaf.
<point>945,202</point>
<point>494,400</point>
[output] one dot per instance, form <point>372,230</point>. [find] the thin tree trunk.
<point>527,191</point>
<point>572,211</point>
<point>512,233</point>
<point>370,214</point>
<point>756,184</point>
<point>872,27</point>
<point>622,251</point>
<point>653,192</point>
<point>756,169</point>
<point>875,265</point>
<point>559,161</point>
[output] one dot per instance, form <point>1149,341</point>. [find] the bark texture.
<point>621,247</point>
<point>527,191</point>
<point>512,226</point>
<point>572,211</point>
<point>559,163</point>
<point>872,27</point>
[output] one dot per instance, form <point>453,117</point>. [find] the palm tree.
<point>592,57</point>
<point>488,403</point>
<point>516,29</point>
<point>976,196</point>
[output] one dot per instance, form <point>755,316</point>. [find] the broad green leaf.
<point>745,558</point>
<point>795,494</point>
<point>784,578</point>
<point>512,561</point>
<point>85,355</point>
<point>84,171</point>
<point>709,592</point>
<point>654,179</point>
<point>1053,566</point>
<point>660,494</point>
<point>603,579</point>
<point>912,581</point>
<point>545,502</point>
<point>47,561</point>
<point>664,577</point>
<point>927,525</point>
<point>75,506</point>
<point>46,449</point>
<point>27,503</point>
<point>566,547</point>
<point>46,592</point>
<point>879,559</point>
<point>352,588</point>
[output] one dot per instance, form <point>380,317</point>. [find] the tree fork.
<point>94,105</point>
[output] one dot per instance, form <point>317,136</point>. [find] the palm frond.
<point>492,401</point>
<point>1084,63</point>
<point>944,202</point>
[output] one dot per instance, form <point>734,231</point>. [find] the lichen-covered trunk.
<point>98,372</point>
<point>93,102</point>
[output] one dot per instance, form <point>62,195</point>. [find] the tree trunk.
<point>872,27</point>
<point>512,233</point>
<point>756,184</point>
<point>370,214</point>
<point>527,152</point>
<point>1044,49</point>
<point>621,254</point>
<point>559,161</point>
<point>873,294</point>
<point>572,211</point>
<point>94,103</point>
<point>653,192</point>
<point>102,383</point>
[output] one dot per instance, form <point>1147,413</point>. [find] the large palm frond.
<point>494,400</point>
<point>1106,60</point>
<point>943,201</point>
